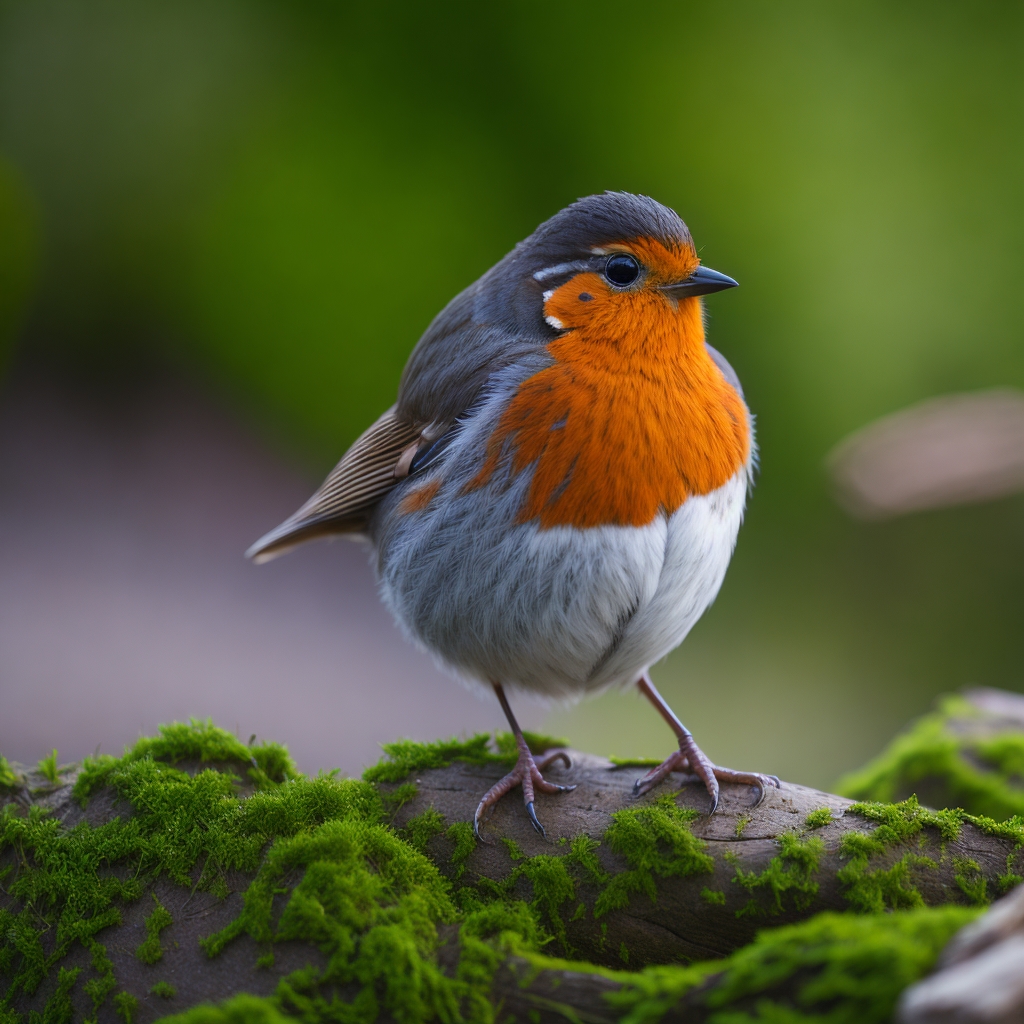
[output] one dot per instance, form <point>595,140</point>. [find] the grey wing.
<point>446,373</point>
<point>366,472</point>
<point>470,340</point>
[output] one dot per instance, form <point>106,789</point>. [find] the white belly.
<point>560,612</point>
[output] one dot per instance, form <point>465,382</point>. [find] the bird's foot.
<point>527,773</point>
<point>690,758</point>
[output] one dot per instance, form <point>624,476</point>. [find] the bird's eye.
<point>622,269</point>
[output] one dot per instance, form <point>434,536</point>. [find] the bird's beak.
<point>702,281</point>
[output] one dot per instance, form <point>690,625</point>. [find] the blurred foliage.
<point>283,195</point>
<point>299,188</point>
<point>18,255</point>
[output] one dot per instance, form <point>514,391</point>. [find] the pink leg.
<point>691,758</point>
<point>527,773</point>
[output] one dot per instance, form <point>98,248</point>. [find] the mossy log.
<point>664,886</point>
<point>196,870</point>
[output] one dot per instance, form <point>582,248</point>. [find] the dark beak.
<point>703,281</point>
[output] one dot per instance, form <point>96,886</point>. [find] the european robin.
<point>554,498</point>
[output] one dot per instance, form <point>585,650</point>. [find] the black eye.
<point>621,269</point>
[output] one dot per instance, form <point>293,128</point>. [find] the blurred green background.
<point>279,197</point>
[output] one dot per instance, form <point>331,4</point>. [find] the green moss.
<point>47,767</point>
<point>326,867</point>
<point>583,853</point>
<point>553,887</point>
<point>461,835</point>
<point>406,756</point>
<point>163,990</point>
<point>266,764</point>
<point>127,1007</point>
<point>634,762</point>
<point>741,823</point>
<point>536,741</point>
<point>398,797</point>
<point>897,823</point>
<point>655,840</point>
<point>7,776</point>
<point>818,818</point>
<point>893,887</point>
<point>150,951</point>
<point>420,830</point>
<point>984,776</point>
<point>71,884</point>
<point>972,883</point>
<point>789,872</point>
<point>713,896</point>
<point>835,968</point>
<point>241,1009</point>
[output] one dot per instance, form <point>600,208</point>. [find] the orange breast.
<point>632,418</point>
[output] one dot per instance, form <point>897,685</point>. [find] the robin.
<point>554,498</point>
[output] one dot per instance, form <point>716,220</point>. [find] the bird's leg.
<point>527,773</point>
<point>691,758</point>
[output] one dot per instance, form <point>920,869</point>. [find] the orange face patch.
<point>634,416</point>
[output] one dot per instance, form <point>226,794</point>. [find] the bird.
<point>554,498</point>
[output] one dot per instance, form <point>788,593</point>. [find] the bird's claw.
<point>527,774</point>
<point>691,758</point>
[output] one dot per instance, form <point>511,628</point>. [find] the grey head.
<point>499,319</point>
<point>512,291</point>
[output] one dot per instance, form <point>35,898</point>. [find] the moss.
<point>48,768</point>
<point>8,778</point>
<point>788,873</point>
<point>899,822</point>
<point>893,887</point>
<point>398,797</point>
<point>634,762</point>
<point>163,990</point>
<point>71,884</point>
<point>266,764</point>
<point>713,896</point>
<point>240,1009</point>
<point>982,775</point>
<point>127,1007</point>
<point>536,741</point>
<point>818,818</point>
<point>150,951</point>
<point>655,839</point>
<point>420,830</point>
<point>839,968</point>
<point>406,756</point>
<point>59,1009</point>
<point>972,883</point>
<point>583,853</point>
<point>461,835</point>
<point>741,823</point>
<point>325,866</point>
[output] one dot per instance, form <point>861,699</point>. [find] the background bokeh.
<point>266,203</point>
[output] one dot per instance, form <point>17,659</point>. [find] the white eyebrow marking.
<point>598,251</point>
<point>560,268</point>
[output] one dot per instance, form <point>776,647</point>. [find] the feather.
<point>366,472</point>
